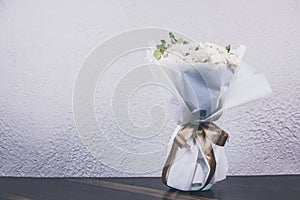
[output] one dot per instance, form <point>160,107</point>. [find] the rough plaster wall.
<point>43,43</point>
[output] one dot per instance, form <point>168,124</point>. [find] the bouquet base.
<point>206,188</point>
<point>192,160</point>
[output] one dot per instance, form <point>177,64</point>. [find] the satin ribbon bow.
<point>207,134</point>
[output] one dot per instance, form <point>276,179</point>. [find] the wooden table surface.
<point>241,188</point>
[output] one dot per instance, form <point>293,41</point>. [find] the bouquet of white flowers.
<point>207,79</point>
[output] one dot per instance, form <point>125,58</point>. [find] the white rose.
<point>204,52</point>
<point>233,60</point>
<point>216,58</point>
<point>202,56</point>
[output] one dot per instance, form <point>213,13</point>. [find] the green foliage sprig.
<point>161,48</point>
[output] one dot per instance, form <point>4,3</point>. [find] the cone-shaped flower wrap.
<point>206,80</point>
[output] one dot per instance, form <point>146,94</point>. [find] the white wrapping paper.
<point>204,91</point>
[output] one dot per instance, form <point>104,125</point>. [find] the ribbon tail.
<point>208,134</point>
<point>180,141</point>
<point>206,147</point>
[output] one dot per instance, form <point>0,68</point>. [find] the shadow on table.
<point>192,195</point>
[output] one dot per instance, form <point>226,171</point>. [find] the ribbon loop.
<point>184,134</point>
<point>214,133</point>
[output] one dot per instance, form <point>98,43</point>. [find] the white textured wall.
<point>43,43</point>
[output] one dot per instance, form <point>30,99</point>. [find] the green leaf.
<point>160,46</point>
<point>157,54</point>
<point>173,40</point>
<point>185,42</point>
<point>197,48</point>
<point>162,51</point>
<point>228,48</point>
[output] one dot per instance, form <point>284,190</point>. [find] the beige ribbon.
<point>207,133</point>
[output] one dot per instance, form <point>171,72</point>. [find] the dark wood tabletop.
<point>237,187</point>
